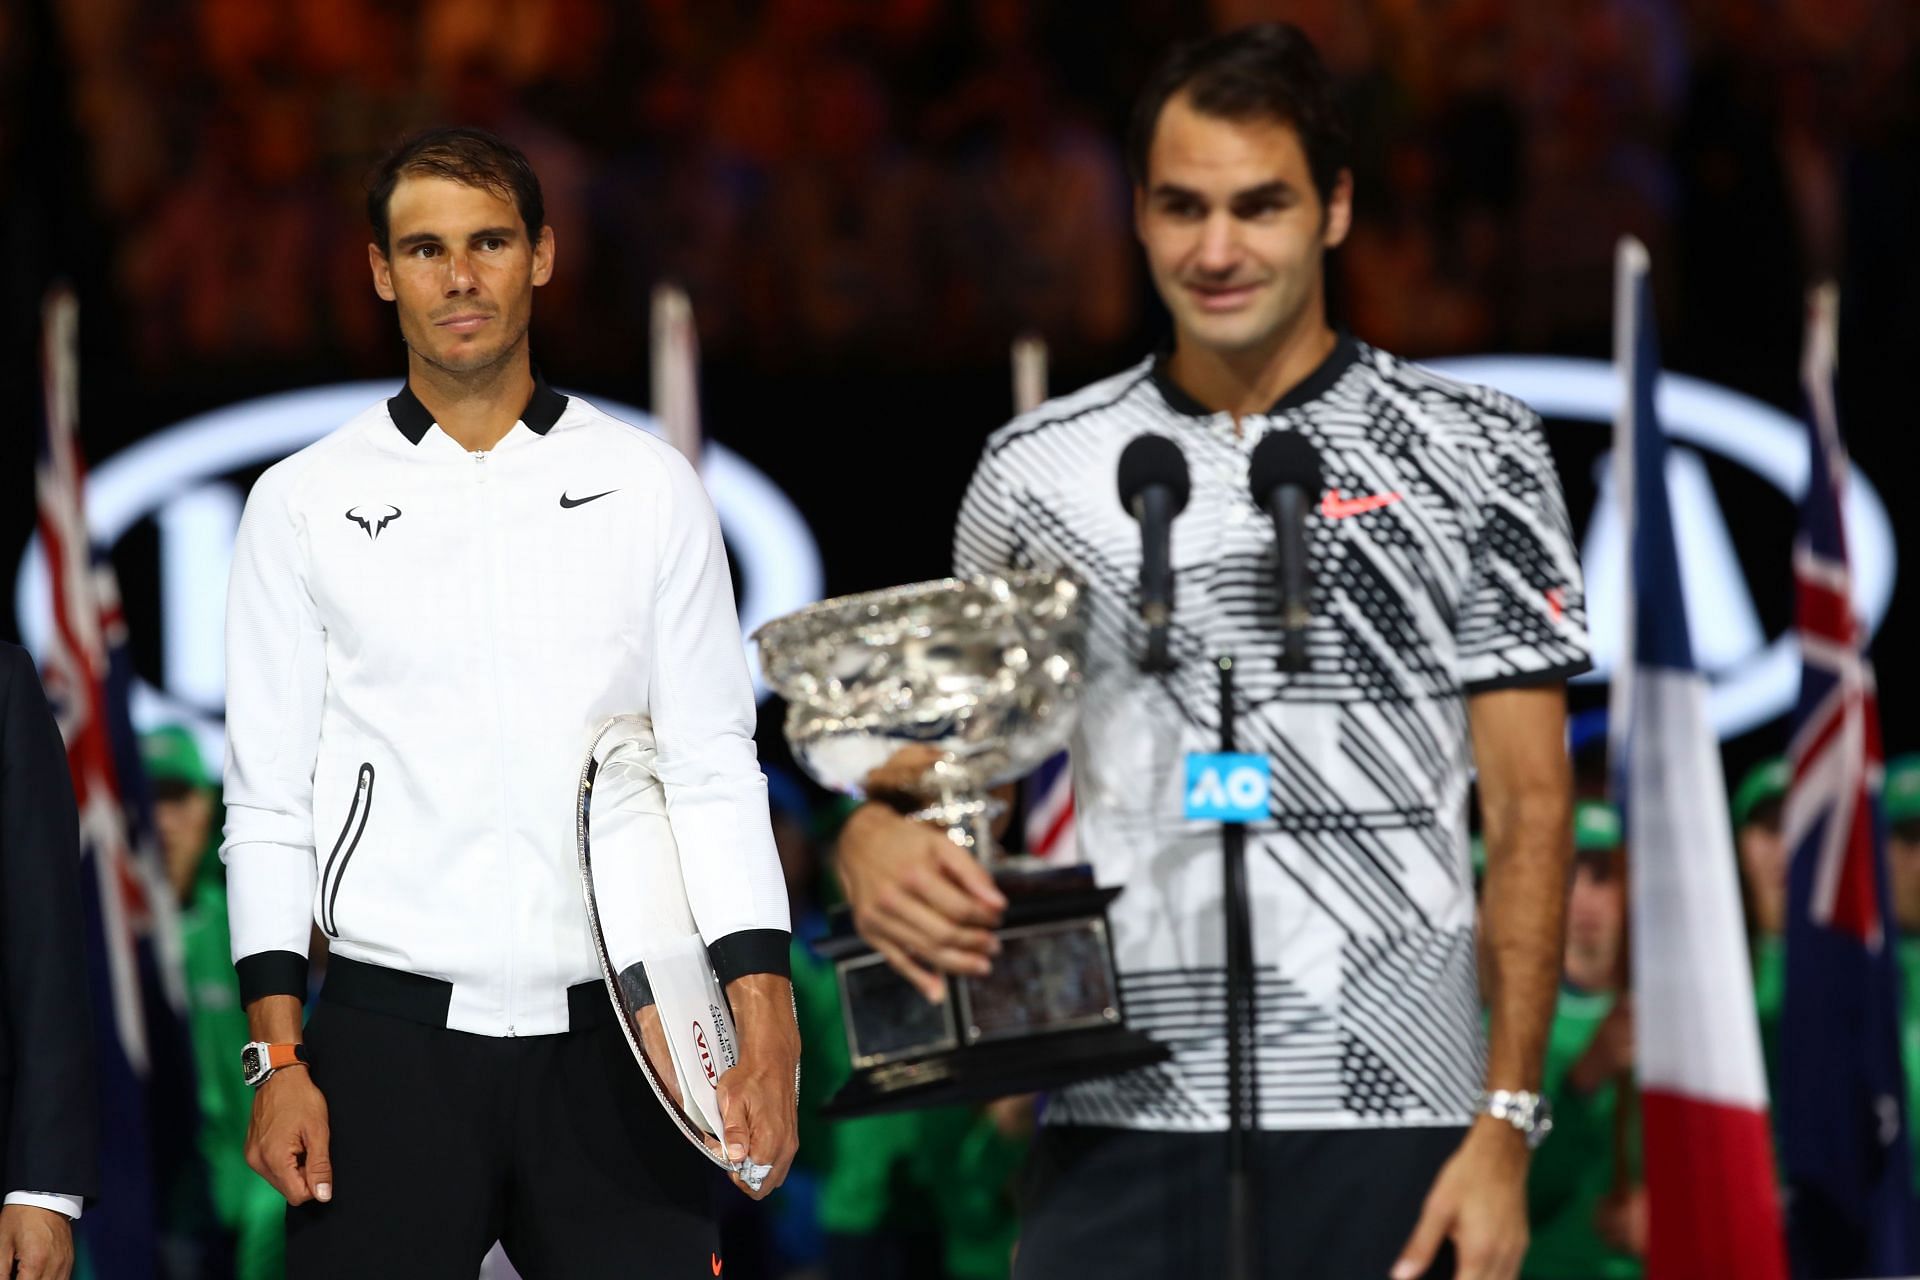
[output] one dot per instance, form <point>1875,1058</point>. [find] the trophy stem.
<point>969,823</point>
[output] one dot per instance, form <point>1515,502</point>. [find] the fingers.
<point>1436,1219</point>
<point>966,870</point>
<point>766,1136</point>
<point>34,1257</point>
<point>949,947</point>
<point>278,1161</point>
<point>902,771</point>
<point>1489,1237</point>
<point>899,923</point>
<point>1487,1260</point>
<point>925,980</point>
<point>735,1112</point>
<point>319,1164</point>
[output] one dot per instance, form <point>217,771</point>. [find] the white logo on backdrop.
<point>1754,679</point>
<point>174,476</point>
<point>177,476</point>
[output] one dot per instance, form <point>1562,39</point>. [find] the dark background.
<point>868,199</point>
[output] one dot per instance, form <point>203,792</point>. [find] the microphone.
<point>1154,489</point>
<point>1284,476</point>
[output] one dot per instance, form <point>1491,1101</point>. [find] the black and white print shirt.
<point>1443,566</point>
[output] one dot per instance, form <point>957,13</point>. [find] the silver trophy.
<point>946,690</point>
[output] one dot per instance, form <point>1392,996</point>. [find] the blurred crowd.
<point>917,180</point>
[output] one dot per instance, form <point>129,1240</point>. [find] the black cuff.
<point>751,951</point>
<point>272,973</point>
<point>1529,679</point>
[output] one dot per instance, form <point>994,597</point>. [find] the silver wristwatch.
<point>1526,1111</point>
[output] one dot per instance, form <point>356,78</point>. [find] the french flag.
<point>1713,1209</point>
<point>1843,1135</point>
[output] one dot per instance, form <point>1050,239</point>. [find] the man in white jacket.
<point>431,609</point>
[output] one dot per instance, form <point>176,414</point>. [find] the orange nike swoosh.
<point>717,1264</point>
<point>1335,507</point>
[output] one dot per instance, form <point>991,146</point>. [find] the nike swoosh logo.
<point>717,1264</point>
<point>565,501</point>
<point>1335,507</point>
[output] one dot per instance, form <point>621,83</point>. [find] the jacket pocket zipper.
<point>355,826</point>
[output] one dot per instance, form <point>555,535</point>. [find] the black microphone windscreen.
<point>1283,458</point>
<point>1149,460</point>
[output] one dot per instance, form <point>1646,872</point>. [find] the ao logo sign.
<point>177,477</point>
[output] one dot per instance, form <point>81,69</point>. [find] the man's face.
<point>461,272</point>
<point>1903,866</point>
<point>1233,227</point>
<point>1763,866</point>
<point>183,818</point>
<point>1596,915</point>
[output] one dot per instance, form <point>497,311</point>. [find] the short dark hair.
<point>472,157</point>
<point>1269,71</point>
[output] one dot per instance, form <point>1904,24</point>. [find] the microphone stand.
<point>1243,1103</point>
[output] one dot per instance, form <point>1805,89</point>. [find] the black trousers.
<point>443,1142</point>
<point>1123,1204</point>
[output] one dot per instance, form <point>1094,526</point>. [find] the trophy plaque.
<point>979,679</point>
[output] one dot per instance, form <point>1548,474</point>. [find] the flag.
<point>1049,821</point>
<point>1843,1134</point>
<point>144,1056</point>
<point>1048,827</point>
<point>1713,1209</point>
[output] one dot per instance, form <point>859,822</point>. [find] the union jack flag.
<point>1843,1131</point>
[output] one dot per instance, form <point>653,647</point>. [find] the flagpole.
<point>1029,372</point>
<point>676,370</point>
<point>1632,262</point>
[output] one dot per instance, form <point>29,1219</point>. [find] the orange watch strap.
<point>285,1055</point>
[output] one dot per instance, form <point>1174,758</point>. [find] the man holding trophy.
<point>1424,618</point>
<point>432,611</point>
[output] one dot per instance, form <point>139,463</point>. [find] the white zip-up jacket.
<point>420,642</point>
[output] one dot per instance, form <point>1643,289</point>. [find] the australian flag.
<point>152,1183</point>
<point>1842,1090</point>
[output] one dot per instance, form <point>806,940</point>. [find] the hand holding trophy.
<point>932,694</point>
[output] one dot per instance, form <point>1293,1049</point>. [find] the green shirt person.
<point>186,812</point>
<point>1901,797</point>
<point>1762,851</point>
<point>1587,1215</point>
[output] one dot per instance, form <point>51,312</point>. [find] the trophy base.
<point>986,1072</point>
<point>1047,1015</point>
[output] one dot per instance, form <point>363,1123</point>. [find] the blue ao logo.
<point>181,478</point>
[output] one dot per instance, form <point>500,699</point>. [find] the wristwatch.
<point>1526,1111</point>
<point>259,1060</point>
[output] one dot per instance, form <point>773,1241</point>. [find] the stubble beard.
<point>477,368</point>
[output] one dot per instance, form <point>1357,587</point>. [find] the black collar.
<point>1316,384</point>
<point>542,411</point>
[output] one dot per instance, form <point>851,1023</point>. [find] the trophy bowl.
<point>985,672</point>
<point>971,682</point>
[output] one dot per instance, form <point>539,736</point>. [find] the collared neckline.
<point>1316,384</point>
<point>414,419</point>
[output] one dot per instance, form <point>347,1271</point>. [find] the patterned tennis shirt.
<point>1443,566</point>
